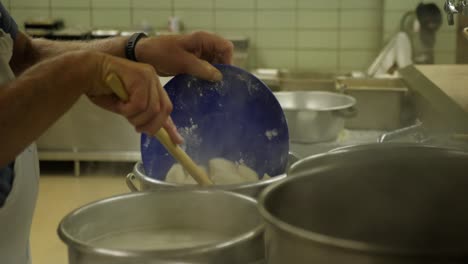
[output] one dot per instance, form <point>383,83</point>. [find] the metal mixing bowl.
<point>315,116</point>
<point>252,189</point>
<point>232,217</point>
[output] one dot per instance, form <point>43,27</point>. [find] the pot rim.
<point>352,101</point>
<point>81,246</point>
<point>226,187</point>
<point>342,243</point>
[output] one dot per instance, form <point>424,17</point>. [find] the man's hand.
<point>191,54</point>
<point>148,107</point>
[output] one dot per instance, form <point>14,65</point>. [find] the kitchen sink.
<point>382,104</point>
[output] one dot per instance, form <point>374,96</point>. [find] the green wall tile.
<point>320,61</point>
<point>166,4</point>
<point>235,19</point>
<point>238,4</point>
<point>29,3</point>
<point>356,60</point>
<point>319,4</point>
<point>387,35</point>
<point>250,34</point>
<point>252,60</point>
<point>111,18</point>
<point>196,4</point>
<point>445,26</point>
<point>111,4</point>
<point>276,39</point>
<point>234,33</point>
<point>359,4</point>
<point>362,19</point>
<point>400,5</point>
<point>196,19</point>
<point>446,42</point>
<point>276,4</point>
<point>70,4</point>
<point>315,35</point>
<point>276,58</point>
<point>276,19</point>
<point>317,39</point>
<point>73,17</point>
<point>317,19</point>
<point>158,18</point>
<point>392,20</point>
<point>360,39</point>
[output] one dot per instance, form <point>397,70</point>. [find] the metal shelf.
<point>79,156</point>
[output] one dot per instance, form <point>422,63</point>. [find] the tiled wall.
<point>446,36</point>
<point>317,35</point>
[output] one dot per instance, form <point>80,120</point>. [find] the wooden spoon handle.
<point>114,82</point>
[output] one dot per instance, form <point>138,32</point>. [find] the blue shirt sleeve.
<point>7,23</point>
<point>6,182</point>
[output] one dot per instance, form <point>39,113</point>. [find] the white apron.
<point>17,212</point>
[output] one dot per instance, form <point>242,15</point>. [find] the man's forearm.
<point>48,48</point>
<point>28,52</point>
<point>30,104</point>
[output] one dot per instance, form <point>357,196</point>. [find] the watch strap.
<point>131,44</point>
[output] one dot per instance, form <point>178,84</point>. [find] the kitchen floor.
<point>60,192</point>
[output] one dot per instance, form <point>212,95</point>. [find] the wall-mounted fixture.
<point>453,7</point>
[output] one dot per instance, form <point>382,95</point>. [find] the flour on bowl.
<point>270,134</point>
<point>190,134</point>
<point>147,142</point>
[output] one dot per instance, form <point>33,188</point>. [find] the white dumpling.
<point>176,174</point>
<point>247,174</point>
<point>223,171</point>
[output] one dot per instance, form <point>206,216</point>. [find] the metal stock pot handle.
<point>130,179</point>
<point>292,158</point>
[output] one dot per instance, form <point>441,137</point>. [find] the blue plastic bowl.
<point>238,119</point>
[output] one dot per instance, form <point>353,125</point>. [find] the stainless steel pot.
<point>147,183</point>
<point>122,229</point>
<point>379,203</point>
<point>315,116</point>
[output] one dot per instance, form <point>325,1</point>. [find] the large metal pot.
<point>380,203</point>
<point>202,227</point>
<point>147,183</point>
<point>315,116</point>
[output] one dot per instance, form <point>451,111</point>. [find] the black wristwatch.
<point>131,44</point>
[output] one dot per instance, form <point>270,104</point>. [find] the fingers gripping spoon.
<point>114,82</point>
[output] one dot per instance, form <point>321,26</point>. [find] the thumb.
<point>202,69</point>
